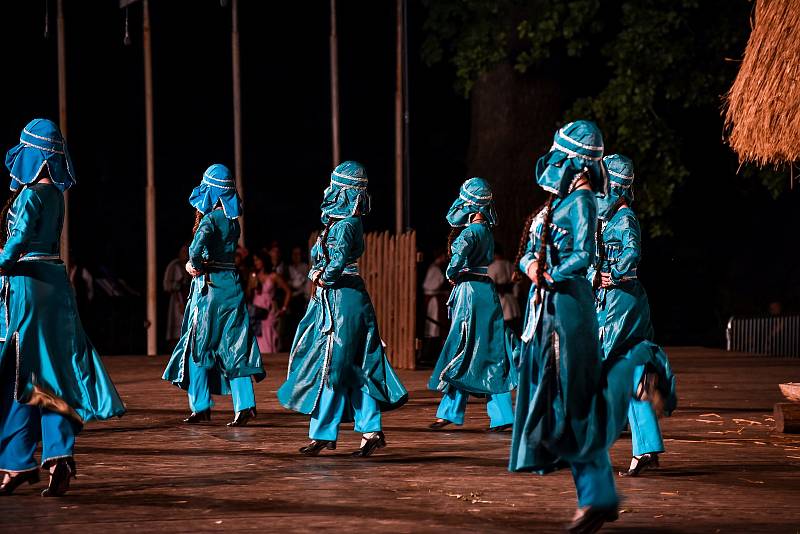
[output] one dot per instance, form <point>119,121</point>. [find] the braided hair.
<point>597,280</point>
<point>324,237</point>
<point>544,237</point>
<point>451,238</point>
<point>4,216</point>
<point>198,216</point>
<point>523,241</point>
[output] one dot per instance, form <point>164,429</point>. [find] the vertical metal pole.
<point>150,192</point>
<point>398,124</point>
<point>62,121</point>
<point>237,111</point>
<point>334,50</point>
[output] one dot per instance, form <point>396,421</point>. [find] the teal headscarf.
<point>40,144</point>
<point>217,186</point>
<point>620,185</point>
<point>475,196</point>
<point>576,146</point>
<point>347,195</point>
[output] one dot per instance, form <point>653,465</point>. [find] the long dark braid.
<point>4,216</point>
<point>324,237</point>
<point>544,237</point>
<point>597,280</point>
<point>198,216</point>
<point>451,238</point>
<point>523,241</point>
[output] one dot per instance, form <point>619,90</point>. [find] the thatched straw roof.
<point>762,111</point>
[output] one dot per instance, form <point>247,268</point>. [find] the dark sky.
<point>285,103</point>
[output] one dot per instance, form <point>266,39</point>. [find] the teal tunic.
<point>477,356</point>
<point>55,365</point>
<point>623,310</point>
<point>570,406</point>
<point>215,331</point>
<point>337,342</point>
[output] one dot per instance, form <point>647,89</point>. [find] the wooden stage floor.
<point>725,470</point>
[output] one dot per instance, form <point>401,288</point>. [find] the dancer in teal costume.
<point>338,370</point>
<point>217,352</point>
<point>571,406</point>
<point>477,357</point>
<point>51,378</point>
<point>623,312</point>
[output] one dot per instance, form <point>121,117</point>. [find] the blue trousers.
<point>330,411</point>
<point>645,431</point>
<point>23,426</point>
<point>454,405</point>
<point>594,483</point>
<point>244,397</point>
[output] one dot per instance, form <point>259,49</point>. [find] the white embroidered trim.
<point>217,185</point>
<point>574,142</point>
<point>55,141</point>
<point>474,203</point>
<point>620,175</point>
<point>53,150</point>
<point>355,178</point>
<point>573,154</point>
<point>349,186</point>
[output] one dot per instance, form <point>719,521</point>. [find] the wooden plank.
<point>787,417</point>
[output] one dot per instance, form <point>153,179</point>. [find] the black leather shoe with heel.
<point>31,477</point>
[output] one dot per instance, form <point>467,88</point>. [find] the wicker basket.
<point>791,391</point>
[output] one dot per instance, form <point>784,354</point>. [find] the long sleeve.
<point>582,217</point>
<point>339,243</point>
<point>28,208</point>
<point>198,250</point>
<point>460,250</point>
<point>631,250</point>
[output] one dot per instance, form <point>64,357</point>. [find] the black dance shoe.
<point>591,519</point>
<point>316,445</point>
<point>438,425</point>
<point>31,477</point>
<point>501,428</point>
<point>645,461</point>
<point>243,417</point>
<point>378,441</point>
<point>59,478</point>
<point>198,417</point>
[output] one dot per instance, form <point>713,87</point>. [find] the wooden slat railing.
<point>389,270</point>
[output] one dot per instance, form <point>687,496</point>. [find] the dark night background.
<point>731,248</point>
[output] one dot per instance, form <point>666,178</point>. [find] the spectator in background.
<point>297,274</point>
<point>241,259</point>
<point>501,271</point>
<point>276,257</point>
<point>435,288</point>
<point>264,309</point>
<point>176,284</point>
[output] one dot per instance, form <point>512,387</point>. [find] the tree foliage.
<point>644,70</point>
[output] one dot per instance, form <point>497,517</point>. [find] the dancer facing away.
<point>477,357</point>
<point>570,406</point>
<point>217,352</point>
<point>338,370</point>
<point>623,312</point>
<point>51,377</point>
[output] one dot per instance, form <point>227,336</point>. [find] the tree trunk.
<point>513,120</point>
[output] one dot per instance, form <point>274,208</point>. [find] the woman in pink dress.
<point>262,286</point>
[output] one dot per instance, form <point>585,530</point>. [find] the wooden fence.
<point>389,270</point>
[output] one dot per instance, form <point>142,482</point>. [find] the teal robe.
<point>571,406</point>
<point>215,331</point>
<point>477,356</point>
<point>623,310</point>
<point>55,365</point>
<point>337,342</point>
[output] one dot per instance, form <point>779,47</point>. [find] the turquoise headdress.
<point>620,184</point>
<point>40,144</point>
<point>216,187</point>
<point>576,146</point>
<point>347,195</point>
<point>475,196</point>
